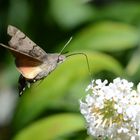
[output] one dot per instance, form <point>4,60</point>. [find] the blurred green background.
<point>108,31</point>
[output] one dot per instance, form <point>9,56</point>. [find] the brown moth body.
<point>31,61</point>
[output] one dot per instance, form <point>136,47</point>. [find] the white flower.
<point>112,110</point>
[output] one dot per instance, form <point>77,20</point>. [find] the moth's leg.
<point>40,81</point>
<point>22,84</point>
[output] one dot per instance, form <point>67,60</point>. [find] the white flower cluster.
<point>112,110</point>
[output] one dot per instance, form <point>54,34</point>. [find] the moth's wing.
<point>21,55</point>
<point>28,66</point>
<point>22,43</point>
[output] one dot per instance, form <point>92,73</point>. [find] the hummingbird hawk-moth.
<point>32,62</point>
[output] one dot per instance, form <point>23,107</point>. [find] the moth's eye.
<point>60,59</point>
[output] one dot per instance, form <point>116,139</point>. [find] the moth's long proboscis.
<point>80,53</point>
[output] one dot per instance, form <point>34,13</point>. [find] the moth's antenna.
<point>65,45</point>
<point>80,53</point>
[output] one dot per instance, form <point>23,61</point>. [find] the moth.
<point>31,61</point>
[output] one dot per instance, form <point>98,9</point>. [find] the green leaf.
<point>105,36</point>
<point>57,85</point>
<point>120,11</point>
<point>70,13</point>
<point>134,63</point>
<point>52,127</point>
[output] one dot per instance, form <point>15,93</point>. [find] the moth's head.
<point>11,30</point>
<point>55,58</point>
<point>61,58</point>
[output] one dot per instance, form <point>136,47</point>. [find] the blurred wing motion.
<point>28,56</point>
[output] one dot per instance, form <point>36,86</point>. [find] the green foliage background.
<point>108,31</point>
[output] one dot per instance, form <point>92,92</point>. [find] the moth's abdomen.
<point>46,69</point>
